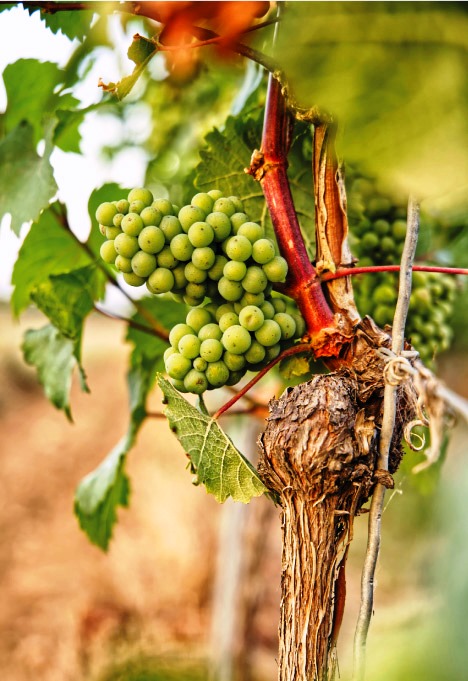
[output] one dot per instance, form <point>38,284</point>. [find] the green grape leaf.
<point>66,299</point>
<point>297,365</point>
<point>100,493</point>
<point>72,24</point>
<point>48,249</point>
<point>168,313</point>
<point>214,459</point>
<point>108,192</point>
<point>141,51</point>
<point>55,358</point>
<point>27,181</point>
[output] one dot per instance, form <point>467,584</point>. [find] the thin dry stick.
<point>388,423</point>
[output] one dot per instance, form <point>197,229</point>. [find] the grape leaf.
<point>72,24</point>
<point>168,313</point>
<point>48,249</point>
<point>27,182</point>
<point>215,460</point>
<point>54,357</point>
<point>141,51</point>
<point>66,299</point>
<point>100,493</point>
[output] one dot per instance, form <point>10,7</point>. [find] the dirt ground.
<point>68,610</point>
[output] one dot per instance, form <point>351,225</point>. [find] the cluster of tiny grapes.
<point>378,227</point>
<point>211,256</point>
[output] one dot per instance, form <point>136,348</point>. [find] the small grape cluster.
<point>209,249</point>
<point>378,226</point>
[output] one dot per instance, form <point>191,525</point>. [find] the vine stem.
<point>351,271</point>
<point>388,423</point>
<point>133,324</point>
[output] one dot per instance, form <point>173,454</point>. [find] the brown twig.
<point>132,323</point>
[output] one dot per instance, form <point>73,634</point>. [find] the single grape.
<point>195,274</point>
<point>210,331</point>
<point>123,264</point>
<point>216,272</point>
<point>238,248</point>
<point>160,281</point>
<point>224,205</point>
<point>251,318</point>
<point>256,353</point>
<point>108,252</point>
<point>122,206</point>
<point>230,290</point>
<point>263,251</point>
<point>387,245</point>
<point>117,220</point>
<point>378,206</point>
<point>235,377</point>
<point>198,317</point>
<point>286,324</point>
<point>203,258</point>
<point>220,224</point>
<point>102,229</point>
<point>200,364</point>
<point>168,352</point>
<point>203,201</point>
<point>105,214</point>
<point>384,294</point>
<point>112,232</point>
<point>189,346</point>
<point>300,324</point>
<point>252,299</point>
<point>215,194</point>
<point>164,206</point>
<point>268,309</point>
<point>181,248</point>
<point>195,382</point>
<point>170,225</point>
<point>151,216</point>
<point>369,242</point>
<point>383,314</point>
<point>269,333</point>
<point>228,319</point>
<point>133,279</point>
<point>141,194</point>
<point>234,362</point>
<point>179,385</point>
<point>276,270</point>
<point>126,245</point>
<point>279,304</point>
<point>196,292</point>
<point>177,366</point>
<point>151,239</point>
<point>200,234</point>
<point>235,200</point>
<point>255,280</point>
<point>211,350</point>
<point>272,352</point>
<point>188,215</point>
<point>180,280</point>
<point>235,270</point>
<point>237,220</point>
<point>177,332</point>
<point>166,259</point>
<point>236,339</point>
<point>143,264</point>
<point>132,224</point>
<point>217,374</point>
<point>252,231</point>
<point>136,207</point>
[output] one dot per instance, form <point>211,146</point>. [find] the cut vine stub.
<point>319,454</point>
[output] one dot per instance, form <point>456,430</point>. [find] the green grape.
<point>177,366</point>
<point>141,194</point>
<point>252,299</point>
<point>198,317</point>
<point>286,324</point>
<point>383,314</point>
<point>105,214</point>
<point>133,279</point>
<point>300,324</point>
<point>381,227</point>
<point>238,248</point>
<point>102,229</point>
<point>263,251</point>
<point>168,352</point>
<point>272,352</point>
<point>237,220</point>
<point>200,234</point>
<point>136,207</point>
<point>108,252</point>
<point>216,272</point>
<point>237,340</point>
<point>143,264</point>
<point>177,332</point>
<point>251,231</point>
<point>195,382</point>
<point>188,215</point>
<point>195,274</point>
<point>235,270</point>
<point>180,280</point>
<point>123,264</point>
<point>256,353</point>
<point>220,224</point>
<point>189,346</point>
<point>160,281</point>
<point>203,258</point>
<point>234,362</point>
<point>268,309</point>
<point>224,205</point>
<point>166,259</point>
<point>171,227</point>
<point>269,333</point>
<point>378,206</point>
<point>228,319</point>
<point>132,224</point>
<point>117,220</point>
<point>223,309</point>
<point>112,232</point>
<point>237,203</point>
<point>179,385</point>
<point>421,299</point>
<point>255,281</point>
<point>211,350</point>
<point>181,248</point>
<point>215,194</point>
<point>230,290</point>
<point>209,331</point>
<point>200,364</point>
<point>151,239</point>
<point>164,206</point>
<point>235,377</point>
<point>387,245</point>
<point>251,318</point>
<point>126,245</point>
<point>196,292</point>
<point>276,270</point>
<point>217,374</point>
<point>151,216</point>
<point>384,294</point>
<point>203,201</point>
<point>279,304</point>
<point>369,242</point>
<point>122,206</point>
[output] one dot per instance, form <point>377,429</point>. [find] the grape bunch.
<point>211,256</point>
<point>378,227</point>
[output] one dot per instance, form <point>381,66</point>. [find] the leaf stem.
<point>131,322</point>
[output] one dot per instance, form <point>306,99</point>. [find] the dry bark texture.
<point>318,454</point>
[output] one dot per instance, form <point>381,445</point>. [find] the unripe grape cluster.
<point>211,256</point>
<point>378,226</point>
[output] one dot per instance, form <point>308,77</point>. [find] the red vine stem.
<point>269,167</point>
<point>294,350</point>
<point>350,271</point>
